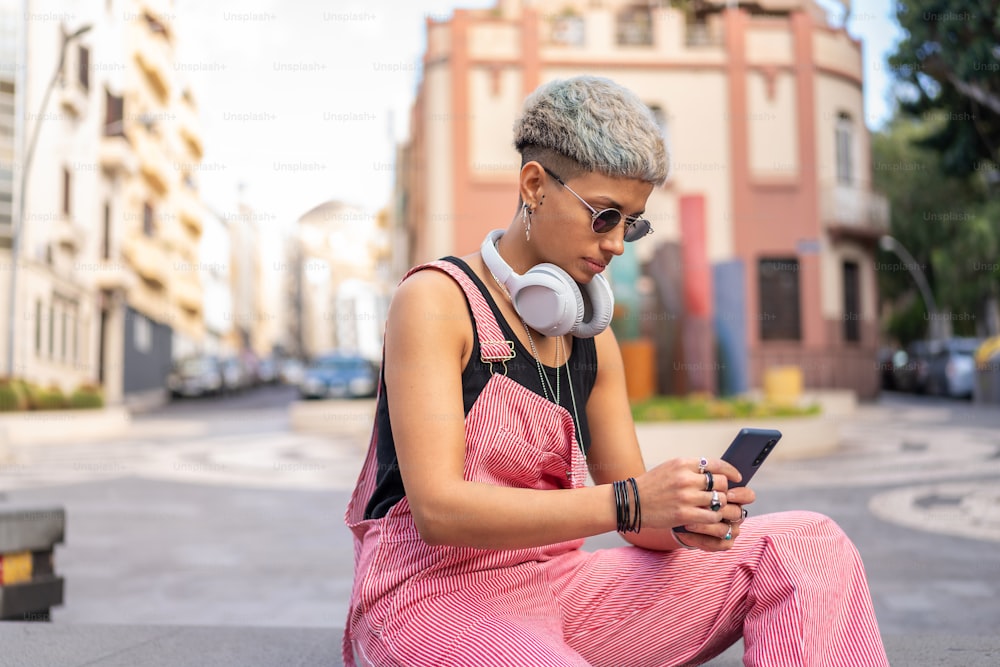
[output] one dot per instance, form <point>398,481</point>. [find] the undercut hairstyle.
<point>591,124</point>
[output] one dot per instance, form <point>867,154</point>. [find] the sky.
<point>303,101</point>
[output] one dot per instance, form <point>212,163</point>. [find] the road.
<point>213,512</point>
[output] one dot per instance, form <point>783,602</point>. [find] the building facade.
<point>108,288</point>
<point>769,203</point>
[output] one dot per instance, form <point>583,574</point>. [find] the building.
<point>769,207</point>
<point>108,287</point>
<point>335,278</point>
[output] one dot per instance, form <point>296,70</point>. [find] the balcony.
<point>111,275</point>
<point>69,235</point>
<point>187,291</point>
<point>190,128</point>
<point>853,212</point>
<point>148,258</point>
<point>152,161</point>
<point>152,52</point>
<point>73,98</point>
<point>189,210</point>
<point>115,155</point>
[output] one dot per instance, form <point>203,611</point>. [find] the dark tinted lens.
<point>637,229</point>
<point>606,220</point>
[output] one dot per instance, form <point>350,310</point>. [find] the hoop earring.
<point>526,219</point>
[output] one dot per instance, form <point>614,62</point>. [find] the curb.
<point>59,426</point>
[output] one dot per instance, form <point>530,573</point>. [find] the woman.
<point>472,506</point>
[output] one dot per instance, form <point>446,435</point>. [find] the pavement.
<point>218,516</point>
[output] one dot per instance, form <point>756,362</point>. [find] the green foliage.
<point>51,399</point>
<point>676,408</point>
<point>87,396</point>
<point>949,67</point>
<point>947,222</point>
<point>12,397</point>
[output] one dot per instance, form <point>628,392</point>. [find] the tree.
<point>947,222</point>
<point>949,68</point>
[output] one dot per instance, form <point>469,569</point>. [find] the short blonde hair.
<point>597,124</point>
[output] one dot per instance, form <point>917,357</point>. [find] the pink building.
<point>769,206</point>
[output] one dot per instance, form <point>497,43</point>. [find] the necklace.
<point>546,385</point>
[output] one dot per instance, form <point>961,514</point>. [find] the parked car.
<point>339,375</point>
<point>234,375</point>
<point>886,367</point>
<point>290,371</point>
<point>267,370</point>
<point>910,366</point>
<point>196,376</point>
<point>952,368</point>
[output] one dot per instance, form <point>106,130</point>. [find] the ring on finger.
<point>702,464</point>
<point>743,516</point>
<point>709,481</point>
<point>716,504</point>
<point>729,533</point>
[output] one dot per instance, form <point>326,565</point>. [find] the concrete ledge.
<point>58,426</point>
<point>802,437</point>
<point>55,645</point>
<point>348,416</point>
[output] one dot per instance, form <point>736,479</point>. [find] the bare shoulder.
<point>430,306</point>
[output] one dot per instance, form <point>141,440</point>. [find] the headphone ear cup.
<point>601,301</point>
<point>548,300</point>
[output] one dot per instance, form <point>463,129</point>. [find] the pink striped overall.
<point>793,585</point>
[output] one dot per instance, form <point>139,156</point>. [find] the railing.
<point>853,207</point>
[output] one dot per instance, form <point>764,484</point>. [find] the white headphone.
<point>548,300</point>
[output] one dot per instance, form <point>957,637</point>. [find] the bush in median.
<point>87,396</point>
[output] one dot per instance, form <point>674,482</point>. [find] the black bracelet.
<point>637,523</point>
<point>627,523</point>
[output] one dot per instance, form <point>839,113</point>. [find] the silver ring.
<point>709,481</point>
<point>743,516</point>
<point>729,533</point>
<point>702,464</point>
<point>678,540</point>
<point>716,503</point>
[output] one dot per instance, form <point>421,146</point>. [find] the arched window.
<point>635,26</point>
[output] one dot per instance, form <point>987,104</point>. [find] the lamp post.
<point>890,244</point>
<point>18,221</point>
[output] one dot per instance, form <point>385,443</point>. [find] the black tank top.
<point>522,369</point>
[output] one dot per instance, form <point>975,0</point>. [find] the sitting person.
<point>502,387</point>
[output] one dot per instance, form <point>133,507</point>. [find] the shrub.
<point>87,396</point>
<point>12,396</point>
<point>704,407</point>
<point>51,399</point>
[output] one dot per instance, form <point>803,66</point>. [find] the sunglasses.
<point>605,220</point>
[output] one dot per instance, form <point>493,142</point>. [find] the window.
<point>38,328</point>
<point>778,283</point>
<point>147,219</point>
<point>83,66</point>
<point>635,27</point>
<point>66,182</point>
<point>114,113</point>
<point>845,140</point>
<point>106,246</point>
<point>568,29</point>
<point>852,303</point>
<point>52,330</point>
<point>142,334</point>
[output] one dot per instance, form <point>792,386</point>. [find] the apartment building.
<point>109,285</point>
<point>763,252</point>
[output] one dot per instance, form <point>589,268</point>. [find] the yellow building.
<point>769,206</point>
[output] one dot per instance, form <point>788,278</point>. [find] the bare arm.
<point>428,338</point>
<point>672,493</point>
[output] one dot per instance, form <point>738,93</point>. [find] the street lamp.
<point>15,240</point>
<point>889,244</point>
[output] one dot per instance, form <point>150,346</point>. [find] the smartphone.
<point>746,453</point>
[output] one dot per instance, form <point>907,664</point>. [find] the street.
<point>212,512</point>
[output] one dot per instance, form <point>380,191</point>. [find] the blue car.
<point>339,375</point>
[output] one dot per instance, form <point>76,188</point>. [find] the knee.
<point>816,533</point>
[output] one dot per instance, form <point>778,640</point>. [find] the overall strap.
<point>493,346</point>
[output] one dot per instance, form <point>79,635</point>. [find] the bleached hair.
<point>595,123</point>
